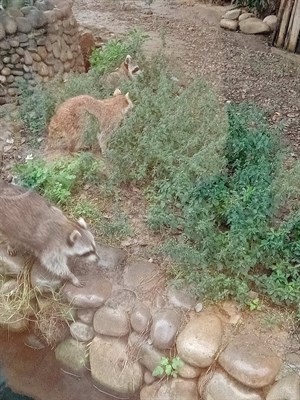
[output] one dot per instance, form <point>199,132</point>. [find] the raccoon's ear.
<point>127,60</point>
<point>117,92</point>
<point>127,97</point>
<point>74,235</point>
<point>82,223</point>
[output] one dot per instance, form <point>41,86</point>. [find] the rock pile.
<point>122,330</point>
<point>36,43</point>
<point>247,22</point>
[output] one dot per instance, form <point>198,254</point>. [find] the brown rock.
<point>142,275</point>
<point>86,315</point>
<point>28,58</point>
<point>6,71</point>
<point>246,15</point>
<point>72,354</point>
<point>253,26</point>
<point>140,318</point>
<point>232,14</point>
<point>81,331</point>
<point>173,389</point>
<point>2,31</point>
<point>42,52</point>
<point>250,361</point>
<point>9,25</point>
<point>164,328</point>
<point>229,24</point>
<point>198,343</point>
<point>96,291</point>
<point>271,21</point>
<point>112,368</point>
<point>220,386</point>
<point>111,322</point>
<point>286,388</point>
<point>43,69</point>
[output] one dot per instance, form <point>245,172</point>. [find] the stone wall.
<point>37,43</point>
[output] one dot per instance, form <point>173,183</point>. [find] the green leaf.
<point>158,371</point>
<point>168,369</point>
<point>164,361</point>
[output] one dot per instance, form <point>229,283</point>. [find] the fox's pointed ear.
<point>117,92</point>
<point>127,60</point>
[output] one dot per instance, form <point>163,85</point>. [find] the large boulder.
<point>112,368</point>
<point>200,340</point>
<point>254,26</point>
<point>250,361</point>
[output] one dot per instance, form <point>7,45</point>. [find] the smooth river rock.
<point>81,331</point>
<point>254,26</point>
<point>142,275</point>
<point>112,368</point>
<point>164,328</point>
<point>95,292</point>
<point>229,24</point>
<point>112,322</point>
<point>286,388</point>
<point>140,318</point>
<point>250,361</point>
<point>200,340</point>
<point>221,387</point>
<point>145,352</point>
<point>172,389</point>
<point>72,354</point>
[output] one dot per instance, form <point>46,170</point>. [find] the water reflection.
<point>37,374</point>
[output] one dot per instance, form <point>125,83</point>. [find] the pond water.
<point>36,373</point>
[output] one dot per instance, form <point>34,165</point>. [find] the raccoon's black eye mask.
<point>136,69</point>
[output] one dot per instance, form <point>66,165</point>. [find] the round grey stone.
<point>164,328</point>
<point>111,322</point>
<point>24,25</point>
<point>81,331</point>
<point>10,25</point>
<point>2,31</point>
<point>140,318</point>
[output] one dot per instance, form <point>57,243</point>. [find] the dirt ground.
<point>240,67</point>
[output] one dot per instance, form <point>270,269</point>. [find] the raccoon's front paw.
<point>11,251</point>
<point>78,283</point>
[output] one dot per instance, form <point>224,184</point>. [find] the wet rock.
<point>254,26</point>
<point>181,297</point>
<point>112,322</point>
<point>229,24</point>
<point>10,265</point>
<point>14,322</point>
<point>232,14</point>
<point>8,286</point>
<point>164,328</point>
<point>86,316</point>
<point>246,15</point>
<point>140,318</point>
<point>142,275</point>
<point>173,389</point>
<point>43,280</point>
<point>96,291</point>
<point>34,342</point>
<point>250,361</point>
<point>189,372</point>
<point>110,257</point>
<point>146,353</point>
<point>81,331</point>
<point>200,340</point>
<point>72,354</point>
<point>286,388</point>
<point>112,368</point>
<point>221,387</point>
<point>271,21</point>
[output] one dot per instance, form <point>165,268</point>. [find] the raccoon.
<point>66,128</point>
<point>28,221</point>
<point>126,71</point>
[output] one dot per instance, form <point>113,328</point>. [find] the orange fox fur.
<point>66,128</point>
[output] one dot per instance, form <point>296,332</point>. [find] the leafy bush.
<point>58,181</point>
<point>260,7</point>
<point>35,108</point>
<point>114,52</point>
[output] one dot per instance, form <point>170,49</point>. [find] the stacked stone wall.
<point>37,43</point>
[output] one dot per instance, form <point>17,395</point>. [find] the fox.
<point>29,222</point>
<point>126,71</point>
<point>66,128</point>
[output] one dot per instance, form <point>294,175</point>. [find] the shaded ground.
<point>240,67</point>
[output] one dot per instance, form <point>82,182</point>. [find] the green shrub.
<point>61,179</point>
<point>260,7</point>
<point>114,52</point>
<point>36,109</point>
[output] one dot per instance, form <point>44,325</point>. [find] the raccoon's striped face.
<point>83,243</point>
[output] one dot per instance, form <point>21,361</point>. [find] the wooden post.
<point>295,28</point>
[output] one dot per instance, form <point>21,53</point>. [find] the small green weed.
<point>168,367</point>
<point>60,180</point>
<point>254,304</point>
<point>114,52</point>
